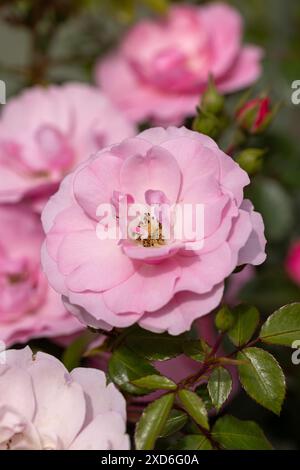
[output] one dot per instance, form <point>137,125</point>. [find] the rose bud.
<point>250,160</point>
<point>212,100</point>
<point>255,115</point>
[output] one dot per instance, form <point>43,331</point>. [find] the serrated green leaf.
<point>176,420</point>
<point>283,326</point>
<point>195,407</point>
<point>247,319</point>
<point>152,422</point>
<point>124,367</point>
<point>194,442</point>
<point>155,382</point>
<point>196,349</point>
<point>219,386</point>
<point>203,393</point>
<point>262,378</point>
<point>234,434</point>
<point>154,347</point>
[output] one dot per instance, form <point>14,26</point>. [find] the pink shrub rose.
<point>44,407</point>
<point>293,262</point>
<point>163,283</point>
<point>29,307</point>
<point>44,133</point>
<point>162,66</point>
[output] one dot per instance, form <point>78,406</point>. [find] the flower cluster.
<point>106,227</point>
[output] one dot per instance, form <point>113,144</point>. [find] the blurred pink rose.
<point>163,66</point>
<point>44,407</point>
<point>293,262</point>
<point>162,286</point>
<point>45,132</point>
<point>29,307</point>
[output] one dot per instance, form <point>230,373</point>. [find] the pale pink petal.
<point>201,273</point>
<point>57,396</point>
<point>90,308</point>
<point>151,287</point>
<point>224,25</point>
<point>157,170</point>
<point>101,398</point>
<point>92,264</point>
<point>247,69</point>
<point>16,392</point>
<point>94,184</point>
<point>178,315</point>
<point>105,432</point>
<point>253,251</point>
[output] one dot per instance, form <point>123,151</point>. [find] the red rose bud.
<point>255,115</point>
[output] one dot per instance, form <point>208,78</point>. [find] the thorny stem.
<point>209,362</point>
<point>247,345</point>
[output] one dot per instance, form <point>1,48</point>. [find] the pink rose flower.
<point>29,307</point>
<point>44,407</point>
<point>292,263</point>
<point>44,133</point>
<point>163,283</point>
<point>162,66</point>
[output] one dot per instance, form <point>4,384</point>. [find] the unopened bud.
<point>255,115</point>
<point>251,160</point>
<point>208,124</point>
<point>212,101</point>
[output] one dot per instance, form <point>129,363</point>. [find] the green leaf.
<point>176,420</point>
<point>262,378</point>
<point>194,442</point>
<point>124,367</point>
<point>154,347</point>
<point>155,382</point>
<point>152,422</point>
<point>74,352</point>
<point>219,386</point>
<point>203,393</point>
<point>195,407</point>
<point>283,326</point>
<point>224,319</point>
<point>196,349</point>
<point>247,319</point>
<point>234,434</point>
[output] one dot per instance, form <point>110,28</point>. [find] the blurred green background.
<point>60,40</point>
